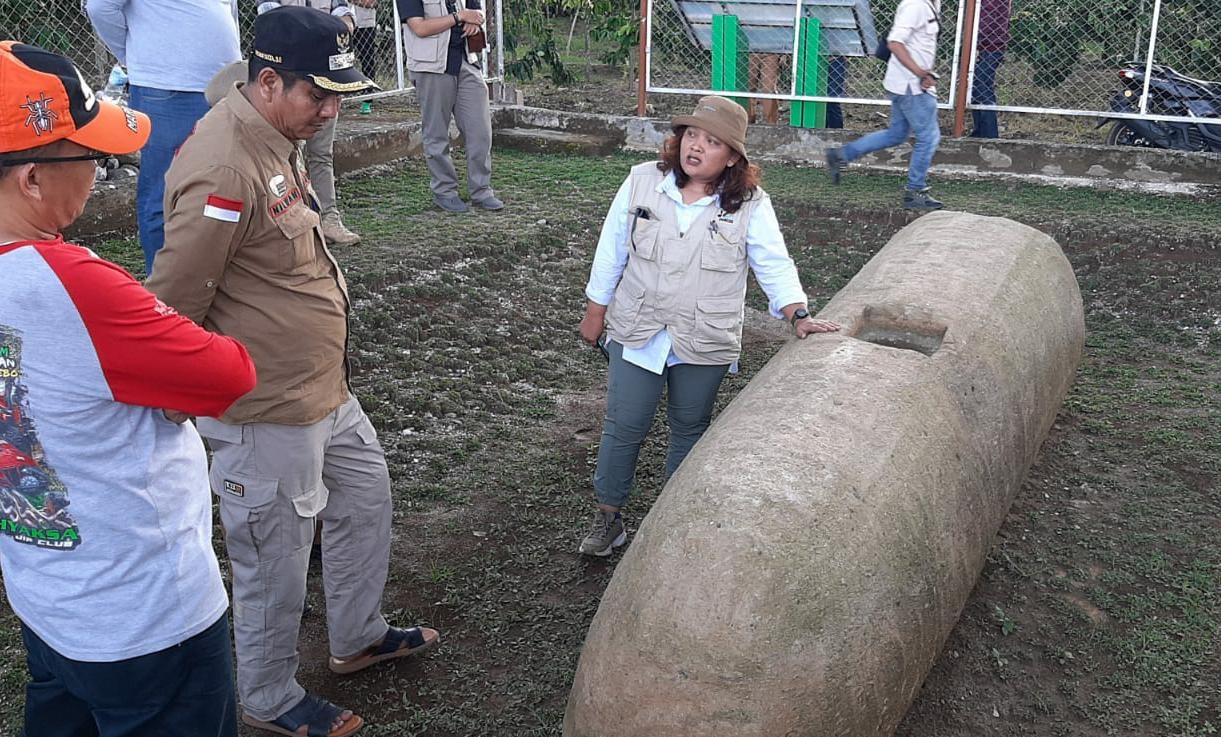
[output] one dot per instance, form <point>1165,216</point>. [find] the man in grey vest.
<point>449,85</point>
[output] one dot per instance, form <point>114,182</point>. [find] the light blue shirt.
<point>169,44</point>
<point>765,252</point>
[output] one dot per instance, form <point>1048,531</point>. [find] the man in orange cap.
<point>105,517</point>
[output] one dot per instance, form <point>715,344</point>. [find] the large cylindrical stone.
<point>801,571</point>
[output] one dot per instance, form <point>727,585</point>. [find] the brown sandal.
<point>398,643</point>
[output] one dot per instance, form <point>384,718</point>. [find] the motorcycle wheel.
<point>1121,134</point>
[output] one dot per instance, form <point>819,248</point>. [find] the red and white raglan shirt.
<point>105,511</point>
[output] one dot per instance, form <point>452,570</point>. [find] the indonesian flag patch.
<point>220,208</point>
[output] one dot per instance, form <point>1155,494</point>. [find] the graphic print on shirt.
<point>33,500</point>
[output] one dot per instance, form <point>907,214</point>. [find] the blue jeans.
<point>909,114</point>
<point>632,395</point>
<point>185,690</point>
<point>983,92</point>
<point>173,115</point>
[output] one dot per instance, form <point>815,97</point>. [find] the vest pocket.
<point>718,324</point>
<point>643,239</point>
<point>624,310</point>
<point>722,253</point>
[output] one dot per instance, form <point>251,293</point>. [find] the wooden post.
<point>769,81</point>
<point>641,91</point>
<point>964,65</point>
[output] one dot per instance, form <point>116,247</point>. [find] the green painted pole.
<point>730,64</point>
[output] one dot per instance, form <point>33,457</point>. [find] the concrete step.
<point>545,141</point>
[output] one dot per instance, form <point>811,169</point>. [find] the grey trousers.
<point>272,480</point>
<point>632,396</point>
<point>464,99</point>
<point>320,160</point>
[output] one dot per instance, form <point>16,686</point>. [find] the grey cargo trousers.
<point>464,99</point>
<point>272,481</point>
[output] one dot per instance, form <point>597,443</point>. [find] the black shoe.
<point>835,164</point>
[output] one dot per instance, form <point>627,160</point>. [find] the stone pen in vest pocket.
<point>637,214</point>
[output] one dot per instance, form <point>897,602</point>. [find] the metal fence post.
<point>642,108</point>
<point>398,47</point>
<point>500,44</point>
<point>1144,95</point>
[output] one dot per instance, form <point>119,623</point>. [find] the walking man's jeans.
<point>173,115</point>
<point>909,114</point>
<point>983,92</point>
<point>185,690</point>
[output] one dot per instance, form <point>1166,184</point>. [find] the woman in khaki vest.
<point>667,287</point>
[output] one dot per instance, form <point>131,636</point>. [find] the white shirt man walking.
<point>911,85</point>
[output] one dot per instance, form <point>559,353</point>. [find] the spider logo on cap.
<point>41,118</point>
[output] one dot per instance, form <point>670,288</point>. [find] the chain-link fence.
<point>63,26</point>
<point>1075,57</point>
<point>1040,56</point>
<point>59,25</point>
<point>692,49</point>
<point>1067,56</point>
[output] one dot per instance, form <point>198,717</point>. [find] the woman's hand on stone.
<point>809,325</point>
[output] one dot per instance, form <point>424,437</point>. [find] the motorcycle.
<point>1170,93</point>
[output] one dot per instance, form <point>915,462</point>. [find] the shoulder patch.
<point>222,208</point>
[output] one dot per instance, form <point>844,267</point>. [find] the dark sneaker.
<point>490,203</point>
<point>835,164</point>
<point>920,200</point>
<point>450,203</point>
<point>605,534</point>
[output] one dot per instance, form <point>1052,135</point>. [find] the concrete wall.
<point>358,144</point>
<point>361,143</point>
<point>1067,164</point>
<point>800,572</point>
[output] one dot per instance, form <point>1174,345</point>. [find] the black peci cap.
<point>311,43</point>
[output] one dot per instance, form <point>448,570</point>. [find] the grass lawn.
<point>1098,613</point>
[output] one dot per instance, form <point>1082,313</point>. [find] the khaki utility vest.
<point>427,53</point>
<point>692,284</point>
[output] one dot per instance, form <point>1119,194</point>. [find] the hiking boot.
<point>450,203</point>
<point>920,199</point>
<point>835,164</point>
<point>336,233</point>
<point>491,202</point>
<point>605,534</point>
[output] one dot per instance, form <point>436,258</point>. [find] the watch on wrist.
<point>800,313</point>
<point>457,20</point>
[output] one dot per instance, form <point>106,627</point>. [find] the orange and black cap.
<point>44,99</point>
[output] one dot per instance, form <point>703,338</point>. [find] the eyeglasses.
<point>94,156</point>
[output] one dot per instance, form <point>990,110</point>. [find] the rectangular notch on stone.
<point>900,327</point>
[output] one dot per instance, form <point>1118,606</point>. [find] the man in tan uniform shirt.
<point>245,256</point>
